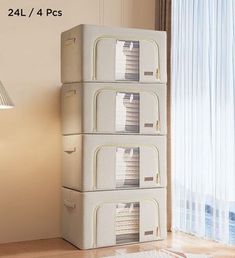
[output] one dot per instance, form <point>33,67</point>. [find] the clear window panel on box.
<point>127,112</point>
<point>127,167</point>
<point>127,60</point>
<point>127,222</point>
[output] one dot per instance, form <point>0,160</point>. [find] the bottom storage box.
<point>98,219</point>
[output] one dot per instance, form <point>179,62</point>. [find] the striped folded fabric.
<point>127,167</point>
<point>127,222</point>
<point>127,60</point>
<point>127,112</point>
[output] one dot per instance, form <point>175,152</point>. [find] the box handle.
<point>69,93</point>
<point>70,151</point>
<point>69,204</point>
<point>70,41</point>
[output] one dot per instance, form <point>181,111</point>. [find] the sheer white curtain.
<point>203,118</point>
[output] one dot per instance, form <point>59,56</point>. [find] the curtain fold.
<point>203,118</point>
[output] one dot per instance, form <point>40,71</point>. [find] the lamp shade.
<point>5,101</point>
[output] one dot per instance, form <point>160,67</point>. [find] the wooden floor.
<point>59,248</point>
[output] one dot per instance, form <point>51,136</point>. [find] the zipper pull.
<point>157,178</point>
<point>157,232</point>
<point>157,125</point>
<point>158,74</point>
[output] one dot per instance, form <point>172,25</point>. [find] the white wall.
<point>30,142</point>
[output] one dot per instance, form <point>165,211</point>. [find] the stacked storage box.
<point>114,136</point>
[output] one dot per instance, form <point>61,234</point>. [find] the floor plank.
<point>58,248</point>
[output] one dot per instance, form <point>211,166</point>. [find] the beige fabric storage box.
<point>113,108</point>
<point>98,53</point>
<point>107,218</point>
<point>106,162</point>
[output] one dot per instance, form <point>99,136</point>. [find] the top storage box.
<point>102,54</point>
